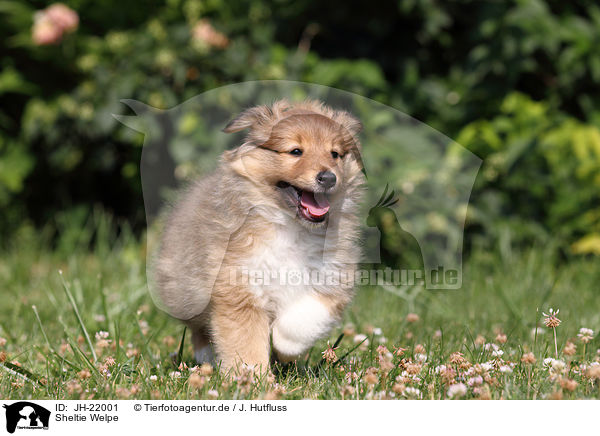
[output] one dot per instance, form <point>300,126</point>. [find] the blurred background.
<point>516,83</point>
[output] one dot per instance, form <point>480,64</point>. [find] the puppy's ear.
<point>248,160</point>
<point>257,117</point>
<point>244,120</point>
<point>348,122</point>
<point>353,127</point>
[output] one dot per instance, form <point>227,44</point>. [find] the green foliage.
<point>513,81</point>
<point>541,167</point>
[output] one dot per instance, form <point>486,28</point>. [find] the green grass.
<point>49,321</point>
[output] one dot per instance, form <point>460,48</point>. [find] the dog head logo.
<point>431,175</point>
<point>26,415</point>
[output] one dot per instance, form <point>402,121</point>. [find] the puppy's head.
<point>302,156</point>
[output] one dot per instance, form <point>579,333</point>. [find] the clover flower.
<point>361,338</point>
<point>457,358</point>
<point>501,338</point>
<point>329,355</point>
<point>551,319</point>
<point>552,322</point>
<point>593,371</point>
<point>528,358</point>
<point>101,335</point>
<point>411,392</point>
<point>568,384</point>
<point>412,317</point>
<point>570,349</point>
<point>457,390</point>
<point>196,381</point>
<point>420,357</point>
<point>475,381</point>
<point>585,335</point>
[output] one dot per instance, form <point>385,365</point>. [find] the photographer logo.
<point>24,415</point>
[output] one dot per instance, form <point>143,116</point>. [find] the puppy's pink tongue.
<point>317,205</point>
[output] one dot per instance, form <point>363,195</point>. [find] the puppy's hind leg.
<point>241,337</point>
<point>203,352</point>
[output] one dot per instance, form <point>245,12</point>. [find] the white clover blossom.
<point>440,368</point>
<point>101,335</point>
<point>457,390</point>
<point>475,381</point>
<point>553,364</point>
<point>487,366</point>
<point>360,338</point>
<point>551,312</point>
<point>537,331</point>
<point>412,392</point>
<point>585,335</point>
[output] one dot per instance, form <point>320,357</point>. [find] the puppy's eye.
<point>335,154</point>
<point>296,152</point>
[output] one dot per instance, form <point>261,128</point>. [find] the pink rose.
<point>63,16</point>
<point>45,32</point>
<point>204,31</point>
<point>52,23</point>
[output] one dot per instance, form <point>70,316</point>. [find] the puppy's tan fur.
<point>238,218</point>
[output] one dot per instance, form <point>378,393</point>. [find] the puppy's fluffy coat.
<point>283,203</point>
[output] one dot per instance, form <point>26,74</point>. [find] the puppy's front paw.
<point>299,326</point>
<point>287,348</point>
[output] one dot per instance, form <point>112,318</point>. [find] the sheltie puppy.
<point>265,248</point>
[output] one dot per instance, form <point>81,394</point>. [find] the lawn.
<point>78,322</point>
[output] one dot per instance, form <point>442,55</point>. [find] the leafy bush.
<point>512,80</point>
<point>541,175</point>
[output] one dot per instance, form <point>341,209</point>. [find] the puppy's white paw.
<point>299,326</point>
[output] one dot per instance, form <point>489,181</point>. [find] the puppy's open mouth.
<point>312,206</point>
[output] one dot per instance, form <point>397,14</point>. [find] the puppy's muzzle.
<point>326,179</point>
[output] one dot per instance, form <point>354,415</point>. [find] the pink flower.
<point>50,24</point>
<point>63,17</point>
<point>45,32</point>
<point>204,32</point>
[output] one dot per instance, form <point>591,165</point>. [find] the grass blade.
<point>37,316</point>
<point>79,320</point>
<point>21,372</point>
<point>348,353</point>
<point>180,352</point>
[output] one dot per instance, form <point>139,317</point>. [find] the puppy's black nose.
<point>326,179</point>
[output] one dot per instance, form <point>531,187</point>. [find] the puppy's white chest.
<point>280,269</point>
